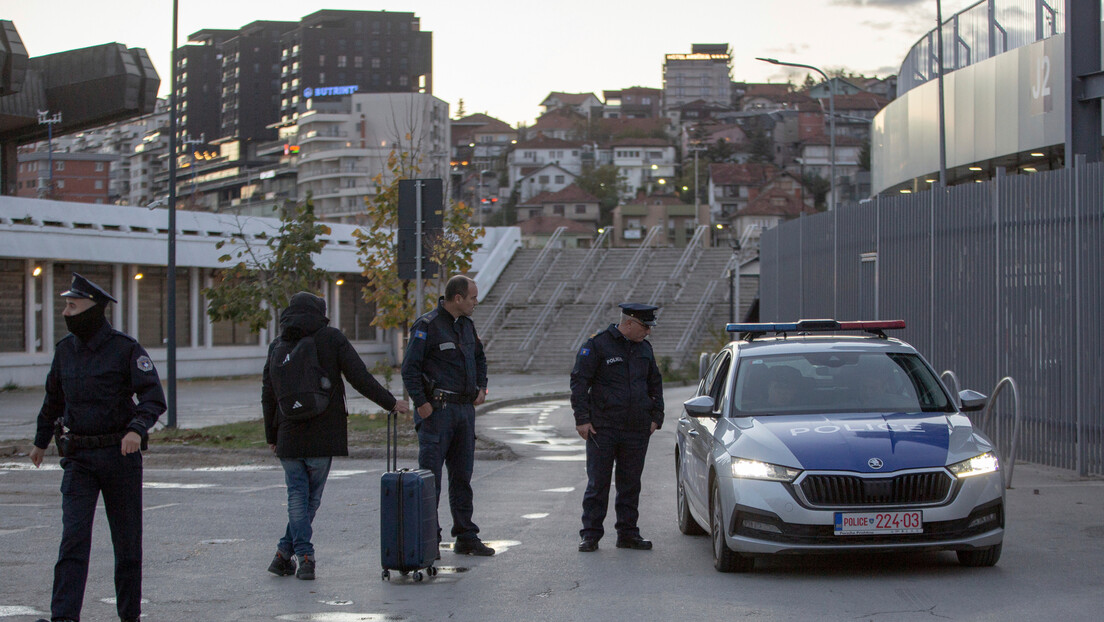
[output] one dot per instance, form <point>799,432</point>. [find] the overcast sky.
<point>503,57</point>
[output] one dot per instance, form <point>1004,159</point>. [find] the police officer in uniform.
<point>445,373</point>
<point>617,398</point>
<point>100,432</point>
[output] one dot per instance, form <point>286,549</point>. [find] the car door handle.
<point>684,421</point>
<point>692,433</point>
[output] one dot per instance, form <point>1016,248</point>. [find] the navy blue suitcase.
<point>408,515</point>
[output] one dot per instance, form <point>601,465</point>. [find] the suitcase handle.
<point>392,459</point>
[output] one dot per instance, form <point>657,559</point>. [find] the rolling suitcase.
<point>408,514</point>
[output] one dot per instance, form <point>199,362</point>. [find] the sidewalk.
<point>202,403</point>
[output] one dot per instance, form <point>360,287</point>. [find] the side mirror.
<point>700,406</point>
<point>972,400</point>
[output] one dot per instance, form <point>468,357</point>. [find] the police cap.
<point>642,312</point>
<point>83,288</point>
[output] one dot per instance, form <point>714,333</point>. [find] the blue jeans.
<point>447,438</point>
<point>305,478</point>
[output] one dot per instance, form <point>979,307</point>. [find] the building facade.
<point>705,73</point>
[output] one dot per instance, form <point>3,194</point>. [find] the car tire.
<point>686,523</point>
<point>980,557</point>
<point>724,558</point>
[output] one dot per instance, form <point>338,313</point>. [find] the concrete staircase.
<point>548,301</point>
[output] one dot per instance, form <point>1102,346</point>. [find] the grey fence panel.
<point>1004,278</point>
<point>1090,244</point>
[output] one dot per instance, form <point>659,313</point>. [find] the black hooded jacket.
<point>326,434</point>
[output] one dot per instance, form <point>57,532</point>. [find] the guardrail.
<point>545,312</point>
<point>545,252</point>
<point>995,435</point>
<point>591,253</point>
<point>686,254</point>
<point>641,251</point>
<point>695,319</point>
<point>489,323</point>
<point>593,317</point>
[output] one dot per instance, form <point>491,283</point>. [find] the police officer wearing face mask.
<point>617,398</point>
<point>100,432</point>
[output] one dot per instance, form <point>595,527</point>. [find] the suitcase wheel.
<point>431,571</point>
<point>386,575</point>
<point>417,576</point>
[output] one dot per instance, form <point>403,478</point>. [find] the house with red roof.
<point>585,104</point>
<point>571,202</point>
<point>733,186</point>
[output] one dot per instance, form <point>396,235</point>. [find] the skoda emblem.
<point>875,463</point>
<point>308,93</point>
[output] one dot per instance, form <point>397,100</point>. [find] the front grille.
<point>851,490</point>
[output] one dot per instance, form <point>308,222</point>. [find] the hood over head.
<point>304,315</point>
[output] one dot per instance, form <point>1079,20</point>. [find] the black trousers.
<point>447,438</point>
<point>88,473</point>
<point>610,453</point>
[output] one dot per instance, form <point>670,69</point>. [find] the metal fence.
<point>978,32</point>
<point>994,279</point>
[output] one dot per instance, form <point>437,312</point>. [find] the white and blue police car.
<point>804,440</point>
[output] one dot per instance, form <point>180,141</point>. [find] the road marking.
<point>27,466</point>
<point>535,516</point>
<point>7,611</point>
<point>158,507</point>
<point>4,532</point>
<point>176,485</point>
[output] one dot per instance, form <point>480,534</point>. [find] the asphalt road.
<point>210,534</point>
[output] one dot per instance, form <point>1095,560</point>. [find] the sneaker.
<point>306,568</point>
<point>473,547</point>
<point>282,566</point>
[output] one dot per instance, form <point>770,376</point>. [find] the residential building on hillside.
<point>544,179</point>
<point>561,123</point>
<point>637,102</point>
<point>645,164</point>
<point>572,203</point>
<point>776,202</point>
<point>530,155</point>
<point>733,186</point>
<point>480,140</point>
<point>705,73</point>
<point>585,104</point>
<point>633,219</point>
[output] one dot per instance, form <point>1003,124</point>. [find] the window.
<point>99,166</point>
<point>358,61</point>
<point>375,63</point>
<point>321,60</point>
<point>543,179</point>
<point>61,183</point>
<point>559,179</point>
<point>99,184</point>
<point>60,165</point>
<point>558,210</point>
<point>580,209</point>
<point>341,61</point>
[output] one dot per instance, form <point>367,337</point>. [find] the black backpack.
<point>302,388</point>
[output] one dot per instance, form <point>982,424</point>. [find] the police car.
<point>803,440</point>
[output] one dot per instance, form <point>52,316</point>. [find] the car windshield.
<point>836,382</point>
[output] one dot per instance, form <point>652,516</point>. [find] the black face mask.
<point>86,323</point>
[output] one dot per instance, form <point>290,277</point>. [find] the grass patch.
<point>364,430</point>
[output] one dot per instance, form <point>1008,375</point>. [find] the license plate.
<point>875,523</point>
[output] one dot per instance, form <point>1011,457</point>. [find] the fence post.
<point>1078,202</point>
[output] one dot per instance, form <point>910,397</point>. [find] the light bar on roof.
<point>810,326</point>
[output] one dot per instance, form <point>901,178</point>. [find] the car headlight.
<point>978,465</point>
<point>753,469</point>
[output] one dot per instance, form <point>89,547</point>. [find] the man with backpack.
<point>303,399</point>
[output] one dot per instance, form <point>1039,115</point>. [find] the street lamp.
<point>44,118</point>
<point>831,121</point>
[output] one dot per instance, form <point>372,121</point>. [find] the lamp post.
<point>831,122</point>
<point>170,344</point>
<point>44,118</point>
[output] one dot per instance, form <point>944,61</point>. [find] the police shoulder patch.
<point>584,352</point>
<point>419,334</point>
<point>144,363</point>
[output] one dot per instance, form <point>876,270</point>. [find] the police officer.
<point>100,433</point>
<point>617,397</point>
<point>445,373</point>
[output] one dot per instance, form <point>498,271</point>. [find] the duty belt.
<point>77,441</point>
<point>441,395</point>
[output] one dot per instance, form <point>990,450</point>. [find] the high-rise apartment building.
<point>705,73</point>
<point>264,73</point>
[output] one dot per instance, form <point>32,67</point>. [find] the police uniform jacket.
<point>328,433</point>
<point>616,383</point>
<point>446,351</point>
<point>92,383</point>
